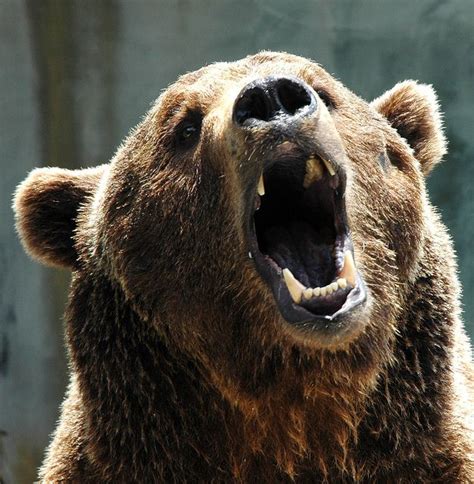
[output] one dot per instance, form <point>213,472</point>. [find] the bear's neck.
<point>152,412</point>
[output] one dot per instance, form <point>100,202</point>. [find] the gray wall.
<point>76,75</point>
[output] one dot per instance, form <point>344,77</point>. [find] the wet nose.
<point>264,100</point>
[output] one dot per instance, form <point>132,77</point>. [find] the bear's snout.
<point>271,99</point>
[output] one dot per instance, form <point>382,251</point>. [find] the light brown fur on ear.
<point>46,206</point>
<point>413,110</point>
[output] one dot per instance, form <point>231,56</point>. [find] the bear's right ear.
<point>46,205</point>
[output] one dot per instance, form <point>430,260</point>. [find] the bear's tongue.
<point>307,252</point>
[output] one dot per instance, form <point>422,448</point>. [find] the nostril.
<point>253,104</point>
<point>273,98</point>
<point>292,95</point>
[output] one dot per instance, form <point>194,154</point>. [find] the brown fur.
<point>182,368</point>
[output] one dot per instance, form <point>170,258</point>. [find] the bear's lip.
<point>299,239</point>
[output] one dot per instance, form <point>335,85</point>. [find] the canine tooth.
<point>329,166</point>
<point>324,291</point>
<point>261,186</point>
<point>294,286</point>
<point>334,286</point>
<point>342,283</point>
<point>348,269</point>
<point>308,293</point>
<point>317,291</point>
<point>314,171</point>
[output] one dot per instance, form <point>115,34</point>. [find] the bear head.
<point>262,219</point>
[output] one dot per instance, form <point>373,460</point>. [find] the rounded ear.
<point>46,206</point>
<point>413,110</point>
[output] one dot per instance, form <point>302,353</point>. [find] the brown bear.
<point>261,290</point>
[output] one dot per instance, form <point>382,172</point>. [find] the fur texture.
<point>183,369</point>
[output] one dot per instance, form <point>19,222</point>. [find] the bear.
<point>261,290</point>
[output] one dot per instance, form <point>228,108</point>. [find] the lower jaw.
<point>334,332</point>
<point>297,314</point>
<point>342,320</point>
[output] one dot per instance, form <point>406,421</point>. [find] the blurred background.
<point>75,76</point>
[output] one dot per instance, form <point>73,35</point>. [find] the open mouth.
<point>300,239</point>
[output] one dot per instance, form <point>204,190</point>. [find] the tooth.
<point>314,171</point>
<point>348,269</point>
<point>308,293</point>
<point>317,291</point>
<point>324,291</point>
<point>294,286</point>
<point>329,166</point>
<point>334,286</point>
<point>261,187</point>
<point>342,283</point>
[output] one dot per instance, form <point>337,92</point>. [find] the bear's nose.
<point>273,97</point>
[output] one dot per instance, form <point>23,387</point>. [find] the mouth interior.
<point>300,226</point>
<point>295,227</point>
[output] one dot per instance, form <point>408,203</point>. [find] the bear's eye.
<point>188,131</point>
<point>325,98</point>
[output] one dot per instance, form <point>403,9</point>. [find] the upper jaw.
<point>299,238</point>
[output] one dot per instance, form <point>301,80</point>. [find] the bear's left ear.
<point>413,110</point>
<point>46,206</point>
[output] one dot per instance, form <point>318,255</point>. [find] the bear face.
<point>268,226</point>
<point>246,185</point>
